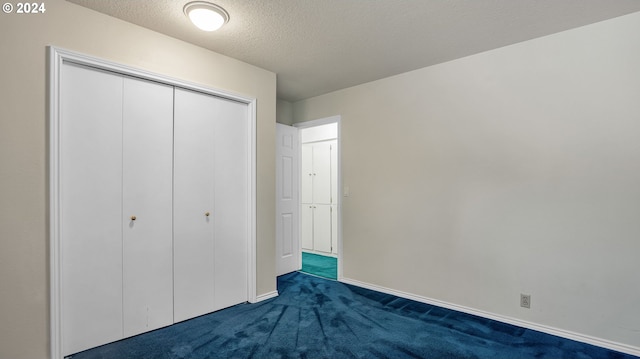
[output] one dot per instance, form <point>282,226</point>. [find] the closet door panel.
<point>231,202</point>
<point>147,195</point>
<point>322,228</point>
<point>194,162</point>
<point>306,223</point>
<point>306,180</point>
<point>90,207</point>
<point>322,173</point>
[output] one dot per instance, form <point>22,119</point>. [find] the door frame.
<point>56,58</point>
<point>337,119</point>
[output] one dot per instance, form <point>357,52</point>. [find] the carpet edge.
<point>583,338</point>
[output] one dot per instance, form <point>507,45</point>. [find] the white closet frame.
<point>56,58</point>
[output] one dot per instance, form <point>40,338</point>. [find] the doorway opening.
<point>308,177</point>
<point>319,198</point>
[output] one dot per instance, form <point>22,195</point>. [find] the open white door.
<point>287,202</point>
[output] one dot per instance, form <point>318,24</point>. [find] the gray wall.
<point>24,266</point>
<point>512,171</point>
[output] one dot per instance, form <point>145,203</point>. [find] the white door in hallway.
<point>287,203</point>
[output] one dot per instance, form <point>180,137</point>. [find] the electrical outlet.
<point>525,301</point>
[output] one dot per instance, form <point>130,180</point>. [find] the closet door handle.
<point>207,214</point>
<point>133,218</point>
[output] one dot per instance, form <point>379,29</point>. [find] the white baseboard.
<point>311,251</point>
<point>266,296</point>
<point>624,348</point>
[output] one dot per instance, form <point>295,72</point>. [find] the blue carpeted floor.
<point>323,266</point>
<point>318,318</point>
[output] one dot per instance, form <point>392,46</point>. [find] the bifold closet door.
<point>318,192</point>
<point>115,163</point>
<point>322,173</point>
<point>316,173</point>
<point>306,178</point>
<point>211,201</point>
<point>316,227</point>
<point>90,207</point>
<point>193,205</point>
<point>306,225</point>
<point>232,202</point>
<point>322,228</point>
<point>147,197</point>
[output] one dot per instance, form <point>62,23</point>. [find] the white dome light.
<point>205,15</point>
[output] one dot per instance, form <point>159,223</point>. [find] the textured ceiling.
<point>319,46</point>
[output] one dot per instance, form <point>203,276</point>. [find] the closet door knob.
<point>207,214</point>
<point>133,218</point>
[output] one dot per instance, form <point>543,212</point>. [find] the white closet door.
<point>147,195</point>
<point>306,180</point>
<point>90,207</point>
<point>194,160</point>
<point>231,215</point>
<point>211,203</point>
<point>306,224</point>
<point>322,173</point>
<point>322,228</point>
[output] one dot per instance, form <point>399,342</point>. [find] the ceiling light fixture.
<point>205,15</point>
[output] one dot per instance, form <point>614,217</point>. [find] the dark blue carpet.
<point>323,266</point>
<point>319,318</point>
